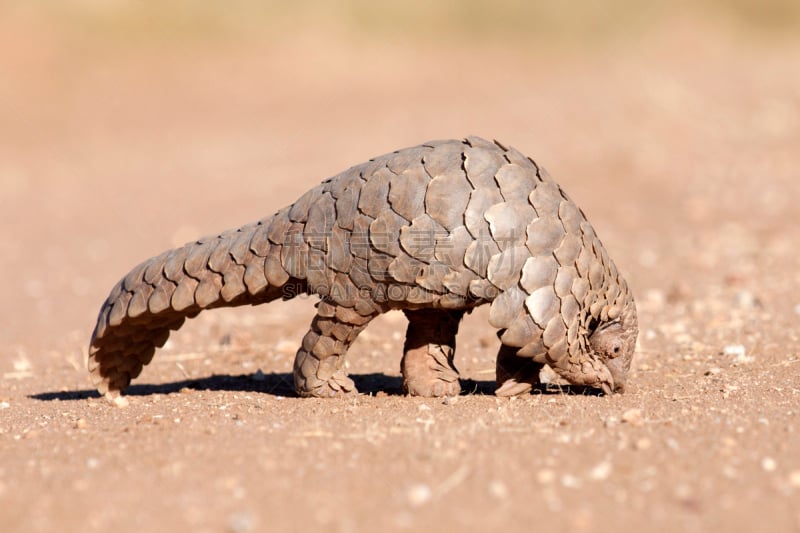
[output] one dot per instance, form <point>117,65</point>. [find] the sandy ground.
<point>681,145</point>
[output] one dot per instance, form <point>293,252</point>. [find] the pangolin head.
<point>612,344</point>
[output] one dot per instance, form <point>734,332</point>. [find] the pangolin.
<point>434,230</point>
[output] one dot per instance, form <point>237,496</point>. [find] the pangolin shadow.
<point>282,384</point>
<point>274,384</point>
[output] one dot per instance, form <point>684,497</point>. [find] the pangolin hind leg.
<point>428,353</point>
<point>515,375</point>
<point>319,365</point>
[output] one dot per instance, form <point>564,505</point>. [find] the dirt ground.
<point>680,141</point>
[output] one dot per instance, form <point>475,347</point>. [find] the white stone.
<point>419,494</point>
<point>601,471</point>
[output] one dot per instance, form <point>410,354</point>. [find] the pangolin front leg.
<point>515,375</point>
<point>319,369</point>
<point>427,365</point>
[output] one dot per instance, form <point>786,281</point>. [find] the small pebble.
<point>747,300</point>
<point>419,494</point>
<point>739,354</point>
<point>498,489</point>
<point>601,471</point>
<point>734,350</point>
<point>570,481</point>
<point>120,401</point>
<point>633,417</point>
<point>797,309</point>
<point>22,364</point>
<point>258,375</point>
<point>794,479</point>
<point>450,400</point>
<point>611,421</point>
<point>4,405</point>
<point>768,464</point>
<point>81,423</point>
<point>727,389</point>
<point>643,444</point>
<point>546,476</point>
<point>713,371</point>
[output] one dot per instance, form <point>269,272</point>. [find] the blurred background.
<point>128,127</point>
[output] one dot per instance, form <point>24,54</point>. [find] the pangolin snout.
<point>619,373</point>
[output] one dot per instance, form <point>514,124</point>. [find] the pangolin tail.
<point>238,267</point>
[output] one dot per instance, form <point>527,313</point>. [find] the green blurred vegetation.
<point>579,21</point>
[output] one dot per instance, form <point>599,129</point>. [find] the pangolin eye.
<point>615,350</point>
